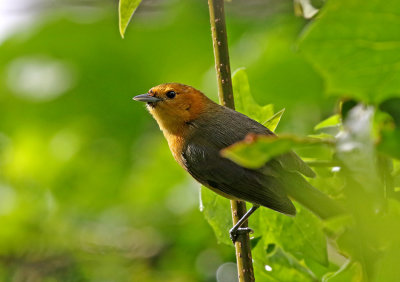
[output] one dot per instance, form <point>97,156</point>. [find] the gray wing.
<point>204,163</point>
<point>202,159</point>
<point>238,126</point>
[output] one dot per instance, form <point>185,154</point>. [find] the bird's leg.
<point>236,230</point>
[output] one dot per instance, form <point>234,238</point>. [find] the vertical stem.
<point>221,52</point>
<point>225,93</point>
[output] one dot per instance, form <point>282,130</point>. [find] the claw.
<point>237,230</point>
<point>234,233</point>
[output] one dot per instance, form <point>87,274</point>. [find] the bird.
<point>197,129</point>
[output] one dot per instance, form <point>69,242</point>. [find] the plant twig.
<point>225,93</point>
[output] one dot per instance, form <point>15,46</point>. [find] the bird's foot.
<point>235,232</point>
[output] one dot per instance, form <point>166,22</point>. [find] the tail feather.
<point>303,192</point>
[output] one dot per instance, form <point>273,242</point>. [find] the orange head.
<point>174,105</point>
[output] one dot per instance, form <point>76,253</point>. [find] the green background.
<point>88,188</point>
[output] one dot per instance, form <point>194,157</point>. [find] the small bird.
<point>197,129</point>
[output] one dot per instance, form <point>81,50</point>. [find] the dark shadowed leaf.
<point>392,107</point>
<point>218,214</point>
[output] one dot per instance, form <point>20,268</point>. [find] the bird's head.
<point>174,105</point>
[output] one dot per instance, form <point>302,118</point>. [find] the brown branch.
<point>225,93</point>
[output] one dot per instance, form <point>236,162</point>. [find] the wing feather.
<point>203,162</point>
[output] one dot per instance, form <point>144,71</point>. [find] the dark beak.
<point>147,98</point>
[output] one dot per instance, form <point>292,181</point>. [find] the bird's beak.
<point>146,98</point>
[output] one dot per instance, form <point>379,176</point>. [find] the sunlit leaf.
<point>304,8</point>
<point>273,121</point>
<point>351,271</point>
<point>323,135</point>
<point>332,121</point>
<point>255,151</point>
<point>244,101</point>
<point>126,10</point>
<point>355,44</point>
<point>388,267</point>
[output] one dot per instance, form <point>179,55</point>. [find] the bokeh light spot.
<point>268,268</point>
<point>64,145</point>
<point>40,78</point>
<point>7,199</point>
<point>227,272</point>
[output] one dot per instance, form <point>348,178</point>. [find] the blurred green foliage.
<point>90,192</point>
<point>359,170</point>
<point>354,47</point>
<point>88,188</point>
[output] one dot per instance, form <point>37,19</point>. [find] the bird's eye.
<point>171,94</point>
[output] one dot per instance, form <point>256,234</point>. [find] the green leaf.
<point>350,271</point>
<point>337,225</point>
<point>323,135</point>
<point>388,266</point>
<point>301,236</point>
<point>332,121</point>
<point>244,101</point>
<point>218,214</point>
<point>256,150</point>
<point>279,266</point>
<point>273,121</point>
<point>392,107</point>
<point>389,142</point>
<point>355,45</point>
<point>126,10</point>
<point>319,270</point>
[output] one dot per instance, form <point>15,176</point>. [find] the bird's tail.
<point>303,192</point>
